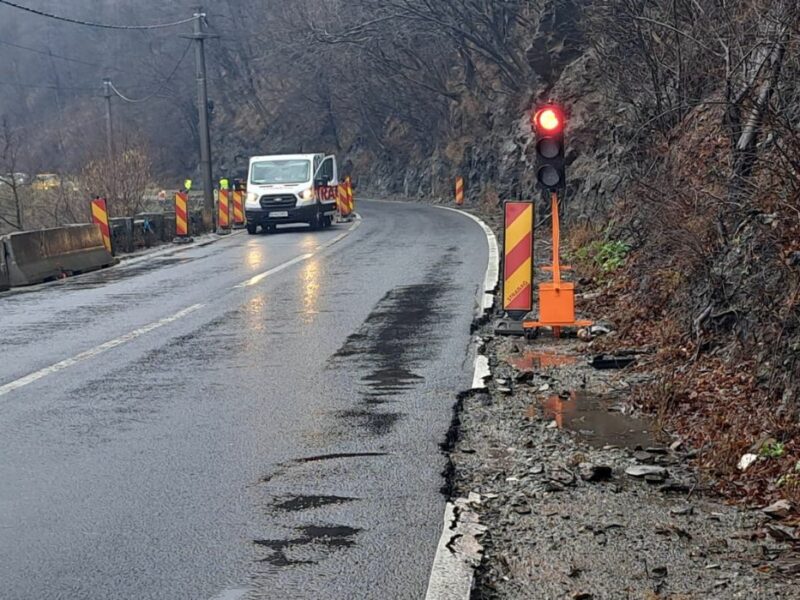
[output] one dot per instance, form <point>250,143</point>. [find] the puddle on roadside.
<point>590,417</point>
<point>532,361</point>
<point>301,503</point>
<point>376,423</point>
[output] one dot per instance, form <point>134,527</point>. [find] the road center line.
<point>262,276</point>
<point>303,257</point>
<point>69,362</point>
<point>129,337</point>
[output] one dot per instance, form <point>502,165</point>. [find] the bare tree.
<point>11,181</point>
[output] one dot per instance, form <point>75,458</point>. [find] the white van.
<point>291,188</point>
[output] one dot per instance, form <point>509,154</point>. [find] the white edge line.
<point>91,353</point>
<point>453,571</point>
<point>493,269</point>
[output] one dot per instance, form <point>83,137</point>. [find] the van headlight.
<point>307,194</point>
<point>251,199</point>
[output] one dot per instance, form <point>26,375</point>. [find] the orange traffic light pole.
<point>556,240</point>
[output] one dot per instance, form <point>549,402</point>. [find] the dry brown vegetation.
<point>711,209</point>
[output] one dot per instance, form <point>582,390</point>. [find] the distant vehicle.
<point>46,181</point>
<point>292,188</point>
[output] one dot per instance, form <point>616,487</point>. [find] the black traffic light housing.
<point>548,126</point>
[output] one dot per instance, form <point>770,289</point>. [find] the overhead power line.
<point>92,24</point>
<point>47,87</point>
<point>160,87</point>
<point>58,56</point>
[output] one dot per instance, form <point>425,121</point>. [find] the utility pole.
<point>112,159</point>
<point>109,122</point>
<point>199,36</point>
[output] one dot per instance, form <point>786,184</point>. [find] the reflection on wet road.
<point>279,441</point>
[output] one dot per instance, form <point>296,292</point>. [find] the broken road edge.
<point>459,552</point>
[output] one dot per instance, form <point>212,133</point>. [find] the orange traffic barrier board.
<point>518,257</point>
<point>182,214</point>
<point>224,209</point>
<point>459,191</point>
<point>100,218</point>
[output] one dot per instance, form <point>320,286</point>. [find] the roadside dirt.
<point>584,500</point>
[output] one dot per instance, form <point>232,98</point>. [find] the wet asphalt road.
<point>278,440</point>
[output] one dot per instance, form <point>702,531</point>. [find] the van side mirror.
<point>321,181</point>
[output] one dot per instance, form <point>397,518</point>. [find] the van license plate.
<point>279,214</point>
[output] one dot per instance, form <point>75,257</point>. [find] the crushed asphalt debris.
<point>581,498</point>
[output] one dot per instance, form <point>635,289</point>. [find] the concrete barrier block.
<point>38,256</point>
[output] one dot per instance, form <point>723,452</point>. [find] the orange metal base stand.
<point>556,299</point>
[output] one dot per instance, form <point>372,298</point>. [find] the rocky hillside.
<point>683,185</point>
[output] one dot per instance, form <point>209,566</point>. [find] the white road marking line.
<point>492,278</point>
<point>493,270</point>
<point>304,257</point>
<point>262,276</point>
<point>69,362</point>
<point>482,372</point>
<point>128,337</point>
<point>232,594</point>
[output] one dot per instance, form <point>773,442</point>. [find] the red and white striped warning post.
<point>518,259</point>
<point>100,218</point>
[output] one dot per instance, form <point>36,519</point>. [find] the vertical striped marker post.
<point>238,209</point>
<point>100,218</point>
<point>341,200</point>
<point>182,218</point>
<point>518,259</point>
<point>224,217</point>
<point>351,200</point>
<point>459,191</point>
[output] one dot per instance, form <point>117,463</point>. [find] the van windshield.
<point>280,171</point>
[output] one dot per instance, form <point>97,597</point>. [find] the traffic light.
<point>548,125</point>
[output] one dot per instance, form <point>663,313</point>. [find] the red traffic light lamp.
<point>548,120</point>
